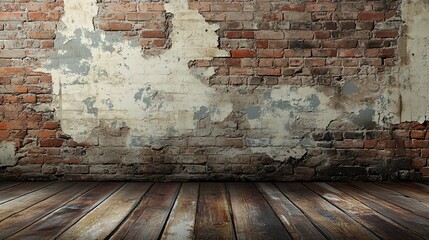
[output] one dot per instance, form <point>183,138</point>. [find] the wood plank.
<point>253,217</point>
<point>213,219</point>
<point>333,222</point>
<point>377,223</point>
<point>181,222</point>
<point>70,212</point>
<point>419,186</point>
<point>397,214</point>
<point>406,191</point>
<point>297,224</point>
<point>20,190</point>
<point>411,204</point>
<point>5,185</point>
<point>103,219</point>
<point>149,217</point>
<point>25,218</point>
<point>23,202</point>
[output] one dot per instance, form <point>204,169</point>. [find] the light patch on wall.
<point>7,154</point>
<point>414,54</point>
<point>100,77</point>
<point>285,116</point>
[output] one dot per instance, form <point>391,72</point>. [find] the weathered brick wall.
<point>207,90</point>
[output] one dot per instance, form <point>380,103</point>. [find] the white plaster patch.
<point>7,154</point>
<point>414,73</point>
<point>286,115</point>
<point>114,83</point>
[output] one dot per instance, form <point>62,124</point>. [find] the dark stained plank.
<point>149,217</point>
<point>21,203</point>
<point>253,217</point>
<point>213,219</point>
<point>297,224</point>
<point>419,186</point>
<point>4,185</point>
<point>406,191</point>
<point>397,214</point>
<point>70,212</point>
<point>333,222</point>
<point>181,223</point>
<point>377,223</point>
<point>24,218</point>
<point>20,190</point>
<point>103,219</point>
<point>411,204</point>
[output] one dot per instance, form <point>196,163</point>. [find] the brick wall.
<point>348,50</point>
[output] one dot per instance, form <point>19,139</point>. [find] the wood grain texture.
<point>213,219</point>
<point>149,217</point>
<point>5,185</point>
<point>25,201</point>
<point>181,222</point>
<point>103,219</point>
<point>28,216</point>
<point>418,186</point>
<point>297,224</point>
<point>253,217</point>
<point>407,191</point>
<point>53,224</point>
<point>333,222</point>
<point>378,224</point>
<point>414,205</point>
<point>403,217</point>
<point>20,190</point>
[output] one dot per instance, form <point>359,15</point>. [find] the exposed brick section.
<point>304,43</point>
<point>145,20</point>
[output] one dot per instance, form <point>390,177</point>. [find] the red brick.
<point>41,16</point>
<point>425,171</point>
<point>371,16</point>
<point>42,35</point>
<point>386,34</point>
<point>346,43</point>
<point>116,26</point>
<point>51,142</point>
<point>290,7</point>
<point>321,7</point>
<point>13,16</point>
<point>268,71</point>
<point>153,34</point>
<point>350,53</point>
<point>51,125</point>
<point>418,134</point>
<point>243,53</point>
<point>418,163</point>
<point>200,6</point>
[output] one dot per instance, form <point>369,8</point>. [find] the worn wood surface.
<point>253,216</point>
<point>181,223</point>
<point>213,213</point>
<point>332,221</point>
<point>375,222</point>
<point>149,217</point>
<point>28,200</point>
<point>30,215</point>
<point>412,204</point>
<point>89,210</point>
<point>295,221</point>
<point>403,217</point>
<point>112,211</point>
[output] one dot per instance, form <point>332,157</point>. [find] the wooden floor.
<point>45,210</point>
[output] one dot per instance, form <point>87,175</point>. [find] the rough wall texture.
<point>214,89</point>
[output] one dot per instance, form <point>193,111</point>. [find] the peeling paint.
<point>414,55</point>
<point>365,119</point>
<point>7,154</point>
<point>92,65</point>
<point>349,88</point>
